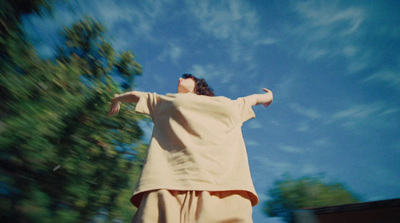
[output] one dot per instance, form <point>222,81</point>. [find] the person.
<point>196,168</point>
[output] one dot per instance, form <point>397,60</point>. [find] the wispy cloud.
<point>291,149</point>
<point>356,112</point>
<point>388,76</point>
<point>285,88</point>
<point>173,52</point>
<point>226,20</point>
<point>303,126</point>
<point>308,112</point>
<point>137,19</point>
<point>324,141</point>
<point>266,41</point>
<point>205,71</point>
<point>126,20</point>
<point>254,124</point>
<point>278,168</point>
<point>274,166</point>
<point>328,29</point>
<point>328,14</point>
<point>360,58</point>
<point>212,72</point>
<point>334,29</point>
<point>375,114</point>
<point>350,116</point>
<point>233,21</point>
<point>309,169</point>
<point>252,143</point>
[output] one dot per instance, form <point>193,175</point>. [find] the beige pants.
<point>166,206</point>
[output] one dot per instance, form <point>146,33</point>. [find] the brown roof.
<point>357,206</point>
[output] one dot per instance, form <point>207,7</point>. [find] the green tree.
<point>62,158</point>
<point>289,194</point>
<point>18,65</point>
<point>123,208</point>
<point>16,53</point>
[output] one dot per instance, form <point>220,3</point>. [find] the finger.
<point>111,113</point>
<point>267,104</point>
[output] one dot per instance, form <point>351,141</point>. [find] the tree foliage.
<point>62,159</point>
<point>289,194</point>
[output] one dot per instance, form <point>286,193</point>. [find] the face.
<point>186,85</point>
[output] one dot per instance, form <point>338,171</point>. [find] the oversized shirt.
<point>197,144</point>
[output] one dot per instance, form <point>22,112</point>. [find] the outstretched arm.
<point>128,97</point>
<point>264,99</point>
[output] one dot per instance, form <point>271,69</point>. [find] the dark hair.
<point>201,86</point>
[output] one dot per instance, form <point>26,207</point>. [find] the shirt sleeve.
<point>245,110</point>
<point>147,104</point>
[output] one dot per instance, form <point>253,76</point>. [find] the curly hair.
<point>201,86</point>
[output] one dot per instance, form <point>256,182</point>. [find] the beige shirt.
<point>197,144</point>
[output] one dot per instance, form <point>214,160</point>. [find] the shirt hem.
<point>137,195</point>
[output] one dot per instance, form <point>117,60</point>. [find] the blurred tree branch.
<point>62,158</point>
<point>289,194</point>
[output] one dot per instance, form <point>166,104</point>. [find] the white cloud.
<point>327,14</point>
<point>326,24</point>
<point>358,116</point>
<point>312,53</point>
<point>266,41</point>
<point>359,59</point>
<point>303,126</point>
<point>226,20</point>
<point>329,29</point>
<point>128,20</point>
<point>173,52</point>
<point>357,111</point>
<point>252,143</point>
<point>309,169</point>
<point>176,53</point>
<point>212,72</point>
<point>351,116</point>
<point>233,88</point>
<point>389,111</point>
<point>110,12</point>
<point>321,142</point>
<point>308,112</point>
<point>274,166</point>
<point>205,71</point>
<point>291,149</point>
<point>350,50</point>
<point>234,21</point>
<point>391,77</point>
<point>284,88</point>
<point>125,20</point>
<point>253,124</point>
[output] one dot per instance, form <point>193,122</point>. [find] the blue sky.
<point>334,68</point>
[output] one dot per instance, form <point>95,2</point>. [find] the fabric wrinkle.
<point>196,167</point>
<point>194,207</point>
